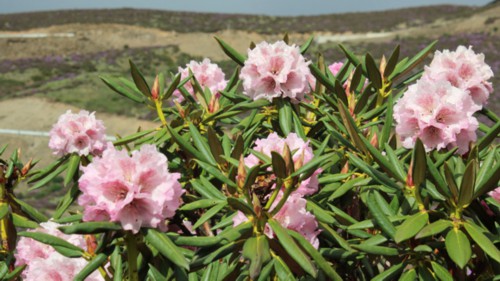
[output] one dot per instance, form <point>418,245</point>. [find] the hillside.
<point>208,22</point>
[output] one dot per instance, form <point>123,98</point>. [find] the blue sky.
<point>268,7</point>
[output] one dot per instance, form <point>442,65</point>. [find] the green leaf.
<point>133,137</point>
<point>476,233</point>
<point>256,249</point>
<point>283,272</point>
<point>139,80</point>
<point>489,180</point>
<point>391,63</point>
<point>413,62</point>
<point>199,204</point>
<point>320,214</point>
<point>209,214</point>
<point>306,45</point>
<point>92,227</point>
<point>279,166</point>
<point>240,205</point>
<point>320,76</point>
<point>317,257</point>
<point>194,241</point>
<point>113,85</point>
<point>4,209</point>
<point>284,115</point>
<point>381,219</point>
<point>450,180</point>
<point>350,56</point>
<point>376,250</point>
<point>441,272</point>
<point>411,226</point>
<point>373,71</point>
<point>216,173</point>
<point>217,253</point>
<point>166,247</point>
<point>185,145</point>
<point>347,186</point>
<point>434,228</point>
<point>62,246</point>
<point>20,221</point>
<point>201,144</point>
<point>14,274</point>
<point>390,273</point>
<point>335,236</point>
<point>467,185</point>
<point>386,129</point>
<point>232,53</point>
<point>291,247</point>
<point>97,261</point>
<point>74,164</point>
<point>458,247</point>
<point>70,196</point>
<point>30,211</point>
<point>373,173</point>
<point>207,189</point>
<point>489,137</point>
<point>172,87</point>
<point>215,146</point>
<point>48,178</point>
<point>419,163</point>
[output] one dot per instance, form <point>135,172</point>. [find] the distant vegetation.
<point>209,22</point>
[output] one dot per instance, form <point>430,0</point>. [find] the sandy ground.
<point>39,115</point>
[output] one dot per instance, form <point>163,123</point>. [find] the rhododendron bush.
<point>291,167</point>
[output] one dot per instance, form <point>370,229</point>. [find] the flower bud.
<point>155,91</point>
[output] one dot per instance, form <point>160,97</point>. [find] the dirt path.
<point>39,115</point>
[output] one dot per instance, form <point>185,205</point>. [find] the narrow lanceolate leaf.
<point>413,62</point>
<point>377,250</point>
<point>467,185</point>
<point>391,63</point>
<point>458,247</point>
<point>240,205</point>
<point>202,145</point>
<point>386,129</point>
<point>373,173</point>
<point>113,85</point>
<point>185,145</point>
<point>489,180</point>
<point>74,164</point>
<point>380,218</point>
<point>450,181</point>
<point>477,234</point>
<point>139,80</point>
<point>49,177</point>
<point>390,273</point>
<point>215,146</point>
<point>209,214</point>
<point>30,211</point>
<point>411,226</point>
<point>279,166</point>
<point>490,136</point>
<point>441,272</point>
<point>419,163</point>
<point>166,247</point>
<point>231,52</point>
<point>133,137</point>
<point>97,261</point>
<point>4,209</point>
<point>285,115</point>
<point>20,221</point>
<point>306,45</point>
<point>352,58</point>
<point>409,275</point>
<point>90,227</point>
<point>60,245</point>
<point>256,249</point>
<point>373,71</point>
<point>198,204</point>
<point>317,257</point>
<point>434,228</point>
<point>292,248</point>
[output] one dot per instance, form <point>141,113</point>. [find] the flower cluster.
<point>44,263</point>
<point>209,75</point>
<point>276,70</point>
<point>137,190</point>
<point>293,214</point>
<point>439,108</point>
<point>303,153</point>
<point>465,70</point>
<point>78,133</point>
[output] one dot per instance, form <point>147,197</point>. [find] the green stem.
<point>131,243</point>
<point>273,196</point>
<point>159,111</point>
<point>282,201</point>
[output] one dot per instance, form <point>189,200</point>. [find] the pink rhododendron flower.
<point>209,75</point>
<point>302,154</point>
<point>276,70</point>
<point>437,113</point>
<point>293,215</point>
<point>137,190</point>
<point>495,194</point>
<point>464,69</point>
<point>335,67</point>
<point>44,263</point>
<point>78,133</point>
